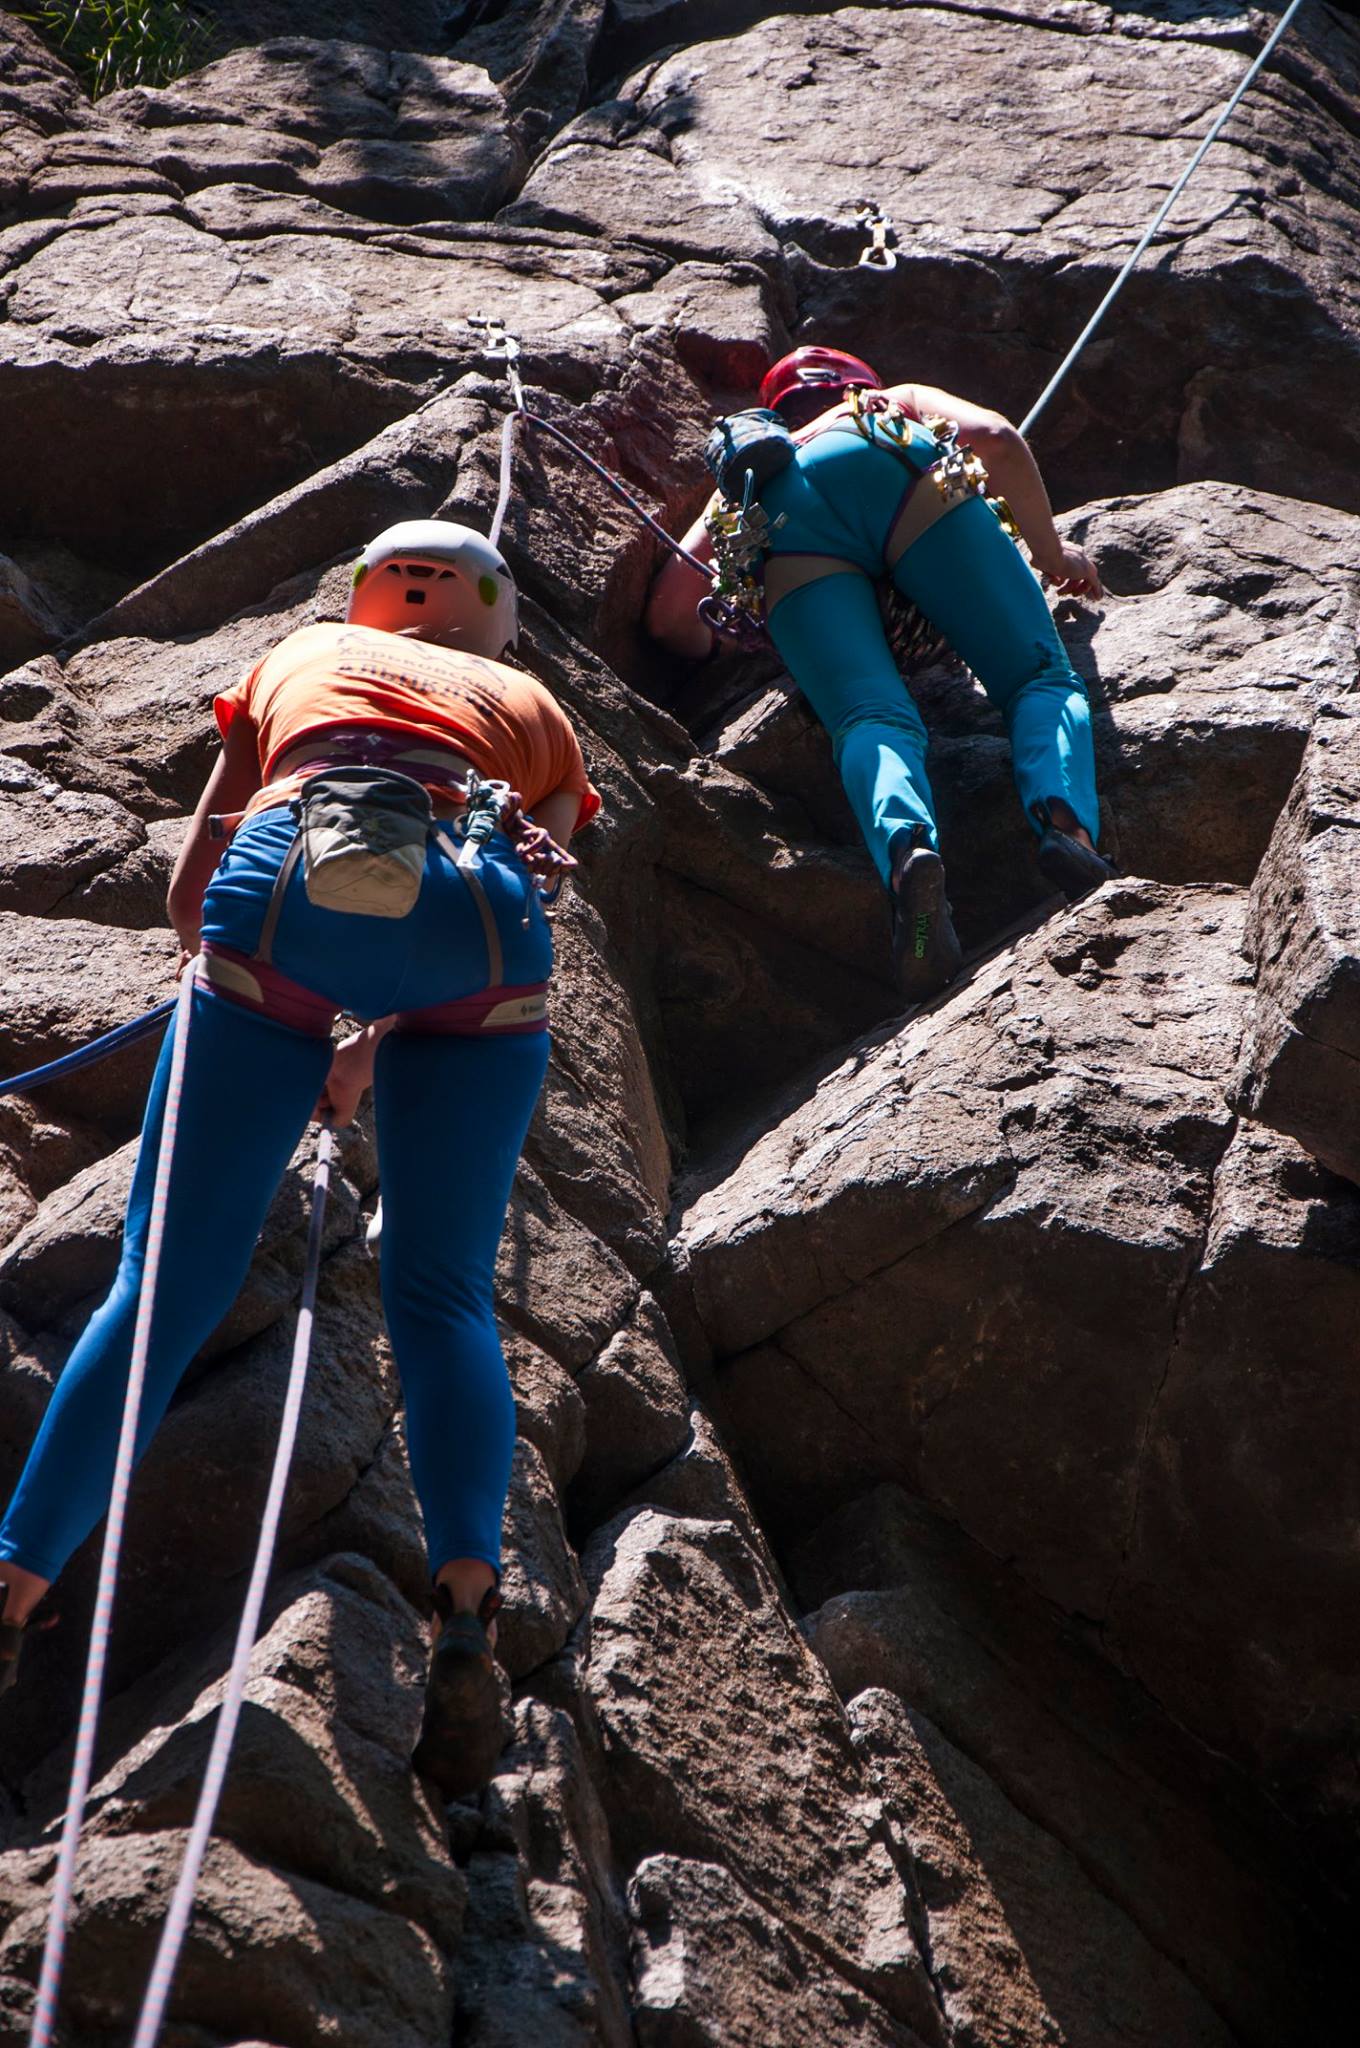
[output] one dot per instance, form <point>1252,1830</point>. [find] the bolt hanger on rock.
<point>506,347</point>
<point>876,225</point>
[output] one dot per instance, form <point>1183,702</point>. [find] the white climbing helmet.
<point>441,577</point>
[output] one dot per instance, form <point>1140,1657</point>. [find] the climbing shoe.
<point>1070,866</point>
<point>926,951</point>
<point>461,1735</point>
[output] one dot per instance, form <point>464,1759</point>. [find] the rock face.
<point>930,1552</point>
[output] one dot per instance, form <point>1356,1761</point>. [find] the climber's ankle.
<point>22,1591</point>
<point>1065,818</point>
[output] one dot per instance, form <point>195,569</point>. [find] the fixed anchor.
<point>876,225</point>
<point>502,347</point>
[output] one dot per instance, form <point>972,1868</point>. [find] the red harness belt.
<point>257,985</point>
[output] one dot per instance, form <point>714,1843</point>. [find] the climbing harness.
<point>489,806</point>
<point>876,225</point>
<point>229,1713</point>
<point>1163,210</point>
<point>44,2018</point>
<point>99,1048</point>
<point>955,475</point>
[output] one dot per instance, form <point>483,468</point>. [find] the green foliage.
<point>113,43</point>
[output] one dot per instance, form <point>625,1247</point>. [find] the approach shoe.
<point>1070,866</point>
<point>926,951</point>
<point>462,1734</point>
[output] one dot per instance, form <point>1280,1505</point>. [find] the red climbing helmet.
<point>807,381</point>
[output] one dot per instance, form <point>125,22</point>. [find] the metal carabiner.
<point>875,223</point>
<point>502,346</point>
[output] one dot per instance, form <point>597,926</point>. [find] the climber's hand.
<point>351,1073</point>
<point>1071,571</point>
<point>541,853</point>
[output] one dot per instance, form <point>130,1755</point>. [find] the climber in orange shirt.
<point>376,865</point>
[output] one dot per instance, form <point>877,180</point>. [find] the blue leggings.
<point>452,1113</point>
<point>841,498</point>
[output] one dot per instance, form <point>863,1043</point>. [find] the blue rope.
<point>87,1055</point>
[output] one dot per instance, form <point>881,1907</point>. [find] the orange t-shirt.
<point>505,722</point>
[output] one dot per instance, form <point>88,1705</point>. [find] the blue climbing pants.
<point>452,1113</point>
<point>841,500</point>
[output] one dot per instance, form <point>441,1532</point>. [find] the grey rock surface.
<point>1303,1041</point>
<point>931,1541</point>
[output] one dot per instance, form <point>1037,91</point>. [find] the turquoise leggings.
<point>841,498</point>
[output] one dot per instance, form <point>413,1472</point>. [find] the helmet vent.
<point>415,597</point>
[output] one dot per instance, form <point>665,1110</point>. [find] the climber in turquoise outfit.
<point>869,492</point>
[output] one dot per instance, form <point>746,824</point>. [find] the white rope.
<point>503,501</point>
<point>82,1769</point>
<point>1112,294</point>
<point>229,1714</point>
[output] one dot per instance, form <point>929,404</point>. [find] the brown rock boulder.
<point>1024,1944</point>
<point>327,337</point>
<point>1023,1176</point>
<point>65,982</point>
<point>544,1592</point>
<point>257,1961</point>
<point>1236,1564</point>
<point>391,135</point>
<point>1300,1069</point>
<point>715,1970</point>
<point>53,840</point>
<point>1195,1883</point>
<point>1011,224</point>
<point>28,624</point>
<point>543,1951</point>
<point>722,1740</point>
<point>636,1411</point>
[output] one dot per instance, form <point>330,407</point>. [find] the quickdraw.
<point>876,225</point>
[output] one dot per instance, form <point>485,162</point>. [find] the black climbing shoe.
<point>926,951</point>
<point>1070,866</point>
<point>461,1735</point>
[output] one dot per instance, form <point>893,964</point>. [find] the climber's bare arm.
<point>233,782</point>
<point>557,814</point>
<point>1014,475</point>
<point>670,615</point>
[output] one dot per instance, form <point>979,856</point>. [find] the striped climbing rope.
<point>82,1769</point>
<point>181,1905</point>
<point>229,1713</point>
